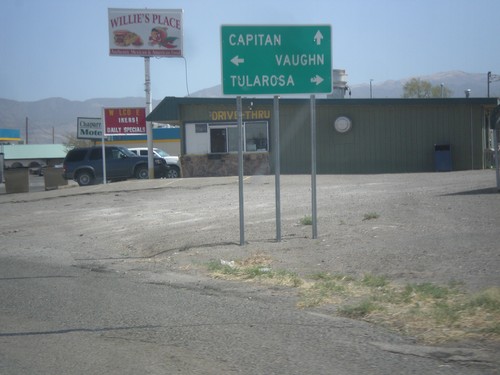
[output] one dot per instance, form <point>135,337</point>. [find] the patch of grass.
<point>360,310</point>
<point>374,281</point>
<point>371,216</point>
<point>431,313</point>
<point>446,312</point>
<point>325,276</point>
<point>288,278</point>
<point>488,300</point>
<point>493,330</point>
<point>254,268</point>
<point>306,220</point>
<point>321,292</point>
<point>324,288</point>
<point>330,286</point>
<point>216,267</point>
<point>257,259</point>
<point>428,290</point>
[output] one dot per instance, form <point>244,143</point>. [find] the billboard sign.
<point>88,128</point>
<point>145,32</point>
<point>8,135</point>
<point>124,121</point>
<point>276,59</point>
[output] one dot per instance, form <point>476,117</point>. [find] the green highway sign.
<point>271,59</point>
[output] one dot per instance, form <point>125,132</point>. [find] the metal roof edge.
<point>379,101</point>
<point>36,151</point>
<point>168,108</point>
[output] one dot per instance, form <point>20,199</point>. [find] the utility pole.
<point>489,81</point>
<point>26,129</point>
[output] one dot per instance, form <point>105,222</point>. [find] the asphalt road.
<point>109,279</point>
<point>75,320</point>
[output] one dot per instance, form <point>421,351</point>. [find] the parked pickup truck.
<point>172,161</point>
<point>84,165</point>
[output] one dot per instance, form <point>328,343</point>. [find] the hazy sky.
<point>60,48</point>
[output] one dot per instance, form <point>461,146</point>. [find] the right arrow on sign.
<point>317,80</point>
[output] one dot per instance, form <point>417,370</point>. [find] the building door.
<point>218,140</point>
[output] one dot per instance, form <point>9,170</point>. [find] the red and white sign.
<point>124,121</point>
<point>145,32</point>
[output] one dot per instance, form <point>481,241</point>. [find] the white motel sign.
<point>269,59</point>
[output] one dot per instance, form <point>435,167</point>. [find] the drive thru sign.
<point>276,59</point>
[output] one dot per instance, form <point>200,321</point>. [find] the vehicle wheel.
<point>173,172</point>
<point>84,178</point>
<point>141,172</point>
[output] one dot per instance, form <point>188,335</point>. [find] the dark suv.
<point>84,165</point>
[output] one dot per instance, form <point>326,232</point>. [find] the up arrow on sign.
<point>270,59</point>
<point>318,38</point>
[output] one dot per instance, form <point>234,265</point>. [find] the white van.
<point>172,161</point>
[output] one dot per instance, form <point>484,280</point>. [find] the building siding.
<point>395,139</point>
<point>387,135</point>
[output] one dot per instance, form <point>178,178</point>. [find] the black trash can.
<point>442,158</point>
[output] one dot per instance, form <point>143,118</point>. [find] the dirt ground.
<point>426,227</point>
<point>411,228</point>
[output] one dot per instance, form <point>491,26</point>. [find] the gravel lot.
<point>435,227</point>
<point>429,227</point>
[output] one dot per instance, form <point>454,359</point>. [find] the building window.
<point>201,128</point>
<point>256,136</point>
<point>224,137</point>
<point>218,140</point>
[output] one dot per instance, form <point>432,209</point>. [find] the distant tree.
<point>418,88</point>
<point>72,141</point>
<point>436,91</point>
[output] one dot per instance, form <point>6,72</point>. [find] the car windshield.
<point>162,153</point>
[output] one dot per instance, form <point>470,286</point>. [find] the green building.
<point>353,135</point>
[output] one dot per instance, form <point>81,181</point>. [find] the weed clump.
<point>432,313</point>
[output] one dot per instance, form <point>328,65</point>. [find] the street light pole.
<point>371,90</point>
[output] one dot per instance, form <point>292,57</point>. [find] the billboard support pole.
<point>149,125</point>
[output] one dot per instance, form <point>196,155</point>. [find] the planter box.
<point>17,180</point>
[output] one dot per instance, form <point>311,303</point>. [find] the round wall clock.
<point>343,124</point>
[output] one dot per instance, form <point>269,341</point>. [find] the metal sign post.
<point>103,150</point>
<point>276,144</point>
<point>240,168</point>
<point>313,167</point>
<point>497,155</point>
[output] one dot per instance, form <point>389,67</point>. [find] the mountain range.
<point>52,120</point>
<point>456,81</point>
